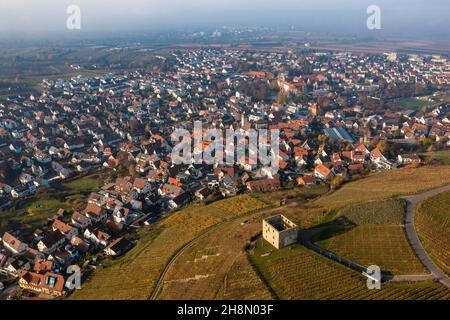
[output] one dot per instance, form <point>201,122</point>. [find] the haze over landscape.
<point>399,18</point>
<point>239,150</point>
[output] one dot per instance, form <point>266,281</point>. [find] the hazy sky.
<point>48,17</point>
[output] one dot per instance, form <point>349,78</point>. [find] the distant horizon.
<point>22,21</point>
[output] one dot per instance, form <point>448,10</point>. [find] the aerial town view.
<point>231,158</point>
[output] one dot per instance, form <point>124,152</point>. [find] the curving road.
<point>411,202</point>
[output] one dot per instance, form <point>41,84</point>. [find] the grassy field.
<point>432,222</point>
<point>85,184</point>
<point>385,185</point>
<point>293,194</point>
<point>296,273</point>
<point>134,275</point>
<point>372,234</point>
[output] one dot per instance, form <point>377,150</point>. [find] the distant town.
<point>341,116</point>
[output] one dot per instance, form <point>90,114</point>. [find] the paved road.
<point>414,239</point>
<point>305,239</point>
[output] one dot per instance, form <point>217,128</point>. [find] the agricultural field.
<point>134,275</point>
<point>413,103</point>
<point>432,223</point>
<point>372,234</point>
<point>386,185</point>
<point>292,194</point>
<point>296,273</point>
<point>239,205</point>
<point>383,245</point>
<point>212,265</point>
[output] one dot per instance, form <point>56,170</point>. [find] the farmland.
<point>367,226</point>
<point>296,273</point>
<point>293,194</point>
<point>211,268</point>
<point>382,245</point>
<point>134,275</point>
<point>432,222</point>
<point>391,211</point>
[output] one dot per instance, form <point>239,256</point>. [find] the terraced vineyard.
<point>382,245</point>
<point>296,273</point>
<point>373,234</point>
<point>432,222</point>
